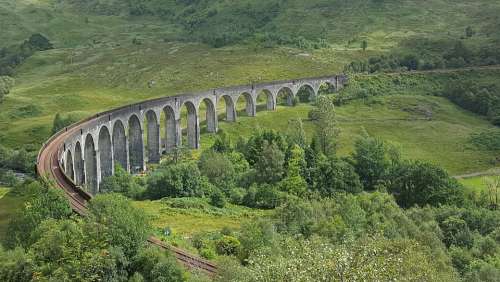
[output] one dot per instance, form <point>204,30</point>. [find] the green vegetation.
<point>45,242</point>
<point>361,178</point>
<point>423,127</point>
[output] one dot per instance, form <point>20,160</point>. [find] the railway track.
<point>49,168</point>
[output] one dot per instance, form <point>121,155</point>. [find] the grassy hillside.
<point>341,23</point>
<point>107,51</point>
<point>424,127</point>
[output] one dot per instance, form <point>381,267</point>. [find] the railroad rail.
<point>49,168</point>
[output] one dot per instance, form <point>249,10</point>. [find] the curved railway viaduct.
<point>80,156</point>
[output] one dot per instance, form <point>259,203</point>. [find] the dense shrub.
<point>122,182</point>
<point>419,183</point>
<point>177,180</point>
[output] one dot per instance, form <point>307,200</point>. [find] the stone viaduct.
<point>130,135</point>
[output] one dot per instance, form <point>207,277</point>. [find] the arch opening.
<point>326,88</point>
<point>245,106</point>
<point>135,145</point>
<point>192,129</point>
<point>306,94</point>
<point>170,130</point>
<point>105,153</point>
<point>265,101</point>
<point>152,137</point>
<point>78,165</point>
<point>229,108</point>
<point>207,109</point>
<point>69,165</point>
<point>285,97</point>
<point>90,165</point>
<point>120,145</point>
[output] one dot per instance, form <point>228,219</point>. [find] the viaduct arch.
<point>130,136</point>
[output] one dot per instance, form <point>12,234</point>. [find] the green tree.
<point>218,169</point>
<point>177,180</point>
<point>456,232</point>
<point>222,143</point>
<point>294,183</point>
<point>364,45</point>
<point>217,199</point>
<point>419,183</point>
<point>295,133</point>
<point>227,245</point>
<point>156,265</point>
<point>127,227</point>
<point>370,160</point>
<point>335,175</point>
<point>326,131</point>
<point>469,32</point>
<point>121,182</point>
<point>270,164</point>
<point>47,202</point>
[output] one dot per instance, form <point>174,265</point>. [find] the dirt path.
<point>489,172</point>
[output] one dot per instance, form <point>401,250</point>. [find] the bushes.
<point>177,180</point>
<point>122,182</point>
<point>418,183</point>
<point>480,99</point>
<point>426,54</point>
<point>13,56</point>
<point>335,175</point>
<point>227,245</point>
<point>107,245</point>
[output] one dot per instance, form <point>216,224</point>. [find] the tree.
<point>227,245</point>
<point>218,169</point>
<point>121,182</point>
<point>456,232</point>
<point>127,227</point>
<point>46,203</point>
<point>364,45</point>
<point>294,183</point>
<point>295,133</point>
<point>217,199</point>
<point>156,265</point>
<point>177,180</point>
<point>38,42</point>
<point>326,131</point>
<point>254,147</point>
<point>370,160</point>
<point>419,183</point>
<point>335,175</point>
<point>270,164</point>
<point>222,143</point>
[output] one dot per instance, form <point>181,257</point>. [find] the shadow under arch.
<point>285,96</point>
<point>120,145</point>
<point>105,153</point>
<point>152,137</point>
<point>78,165</point>
<point>306,93</point>
<point>135,145</point>
<point>265,101</point>
<point>90,165</point>
<point>69,165</point>
<point>192,126</point>
<point>247,107</point>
